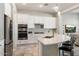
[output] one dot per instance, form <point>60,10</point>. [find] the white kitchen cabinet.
<point>34,20</point>
<point>50,23</point>
<point>30,22</point>
<point>25,19</point>
<point>30,25</point>
<point>38,20</point>
<point>20,19</point>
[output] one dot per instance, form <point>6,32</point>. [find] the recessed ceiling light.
<point>59,13</point>
<point>23,3</point>
<point>46,4</point>
<point>56,8</point>
<point>40,6</point>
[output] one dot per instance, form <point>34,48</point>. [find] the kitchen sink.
<point>48,37</point>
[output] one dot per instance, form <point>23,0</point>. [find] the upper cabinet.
<point>50,22</point>
<point>8,9</point>
<point>20,19</point>
<point>38,20</point>
<point>26,19</point>
<point>30,20</point>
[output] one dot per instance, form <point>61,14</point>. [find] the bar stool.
<point>68,46</point>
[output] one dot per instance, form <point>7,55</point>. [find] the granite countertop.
<point>54,40</point>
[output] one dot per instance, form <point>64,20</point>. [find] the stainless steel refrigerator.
<point>8,42</point>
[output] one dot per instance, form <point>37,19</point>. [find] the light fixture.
<point>43,5</point>
<point>23,3</point>
<point>56,8</point>
<point>59,13</point>
<point>40,6</point>
<point>46,4</point>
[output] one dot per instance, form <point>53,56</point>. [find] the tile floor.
<point>26,50</point>
<point>32,50</point>
<point>76,51</point>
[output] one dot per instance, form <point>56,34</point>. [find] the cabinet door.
<point>30,22</point>
<point>50,22</point>
<point>37,19</point>
<point>20,19</point>
<point>45,22</point>
<point>30,25</point>
<point>42,20</point>
<point>25,19</point>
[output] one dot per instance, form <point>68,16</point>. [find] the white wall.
<point>1,29</point>
<point>71,19</point>
<point>8,9</point>
<point>15,29</point>
<point>1,21</point>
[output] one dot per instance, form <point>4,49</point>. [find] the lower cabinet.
<point>48,50</point>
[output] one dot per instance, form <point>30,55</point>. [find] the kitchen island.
<point>48,46</point>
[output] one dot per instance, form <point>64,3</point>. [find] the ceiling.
<point>45,8</point>
<point>76,10</point>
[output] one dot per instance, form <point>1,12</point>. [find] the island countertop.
<point>54,40</point>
